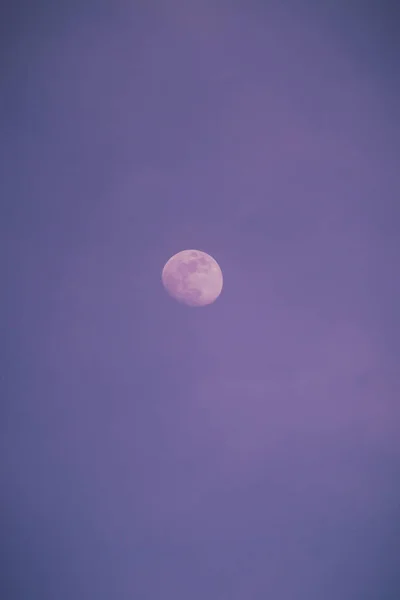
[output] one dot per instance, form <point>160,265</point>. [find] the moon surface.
<point>193,277</point>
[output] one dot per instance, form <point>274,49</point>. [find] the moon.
<point>192,277</point>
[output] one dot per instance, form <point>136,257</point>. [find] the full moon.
<point>193,278</point>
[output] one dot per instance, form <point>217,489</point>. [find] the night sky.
<point>250,449</point>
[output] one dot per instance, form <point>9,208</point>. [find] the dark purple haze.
<point>248,450</point>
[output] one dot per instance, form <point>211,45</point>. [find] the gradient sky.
<point>248,450</point>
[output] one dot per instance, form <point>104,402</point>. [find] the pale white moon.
<point>193,277</point>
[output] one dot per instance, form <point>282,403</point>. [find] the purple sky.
<point>248,450</point>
